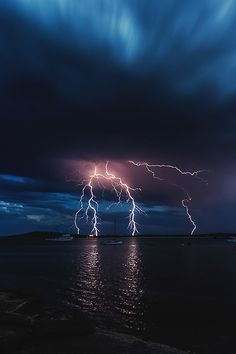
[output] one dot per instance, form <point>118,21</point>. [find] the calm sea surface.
<point>154,288</point>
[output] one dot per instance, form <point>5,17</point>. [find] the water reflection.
<point>86,285</point>
<point>107,282</point>
<point>132,288</point>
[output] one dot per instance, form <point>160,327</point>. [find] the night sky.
<point>94,80</point>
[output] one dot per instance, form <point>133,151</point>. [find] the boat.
<point>111,242</point>
<point>63,238</point>
<point>91,236</point>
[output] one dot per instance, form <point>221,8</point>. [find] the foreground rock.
<point>28,326</point>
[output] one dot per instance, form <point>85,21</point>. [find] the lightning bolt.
<point>150,168</point>
<point>185,205</point>
<point>118,186</point>
<point>92,205</point>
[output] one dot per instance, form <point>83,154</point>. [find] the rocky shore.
<point>28,325</point>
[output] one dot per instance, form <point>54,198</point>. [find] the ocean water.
<point>157,289</point>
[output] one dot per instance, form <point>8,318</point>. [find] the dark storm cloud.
<point>30,205</point>
<point>159,77</point>
<point>119,80</point>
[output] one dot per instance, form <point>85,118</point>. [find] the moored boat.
<point>63,238</point>
<point>111,242</point>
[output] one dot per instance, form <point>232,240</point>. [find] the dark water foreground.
<point>30,326</point>
<point>155,289</point>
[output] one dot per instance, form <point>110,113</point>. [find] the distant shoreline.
<point>42,236</point>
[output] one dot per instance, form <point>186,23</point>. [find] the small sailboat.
<point>63,238</point>
<point>111,242</point>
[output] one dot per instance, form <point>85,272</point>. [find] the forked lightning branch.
<point>89,205</point>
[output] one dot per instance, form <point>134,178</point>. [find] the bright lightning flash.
<point>119,187</point>
<point>151,169</point>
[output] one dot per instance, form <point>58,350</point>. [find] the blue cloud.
<point>191,44</point>
<point>14,179</point>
